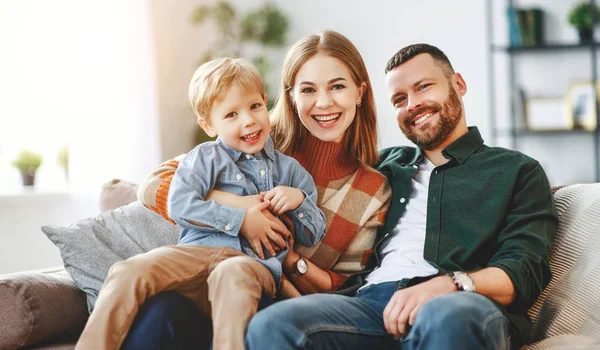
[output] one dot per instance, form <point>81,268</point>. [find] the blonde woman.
<point>325,118</point>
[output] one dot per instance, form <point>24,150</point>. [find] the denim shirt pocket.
<point>233,182</point>
<point>232,178</point>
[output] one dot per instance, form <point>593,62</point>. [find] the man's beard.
<point>433,136</point>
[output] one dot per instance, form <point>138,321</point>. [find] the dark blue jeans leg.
<point>169,321</point>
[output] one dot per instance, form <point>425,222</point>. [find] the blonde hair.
<point>213,78</point>
<point>287,131</point>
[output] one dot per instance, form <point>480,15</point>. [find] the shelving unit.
<point>515,131</point>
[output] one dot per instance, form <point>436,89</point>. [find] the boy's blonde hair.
<point>213,78</point>
<point>360,139</point>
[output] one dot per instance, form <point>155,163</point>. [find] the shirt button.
<point>402,200</point>
<point>262,173</point>
<point>301,215</point>
<point>227,227</point>
<point>416,166</point>
<point>248,156</point>
<point>238,177</point>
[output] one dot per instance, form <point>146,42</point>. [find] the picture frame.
<point>547,114</point>
<point>580,105</point>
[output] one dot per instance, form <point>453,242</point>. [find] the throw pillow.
<point>38,307</point>
<point>116,193</point>
<point>89,247</point>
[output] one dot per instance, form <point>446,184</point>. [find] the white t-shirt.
<point>402,255</point>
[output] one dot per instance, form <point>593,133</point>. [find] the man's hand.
<point>261,229</point>
<point>404,305</point>
<point>283,198</point>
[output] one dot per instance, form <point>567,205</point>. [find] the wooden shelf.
<point>504,132</point>
<point>545,48</point>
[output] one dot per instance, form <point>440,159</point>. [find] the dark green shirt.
<point>486,207</point>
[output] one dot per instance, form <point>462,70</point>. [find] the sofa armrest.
<point>36,307</point>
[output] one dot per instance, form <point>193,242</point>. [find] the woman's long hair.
<point>286,129</point>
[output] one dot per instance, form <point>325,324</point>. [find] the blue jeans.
<point>170,321</point>
<point>460,320</point>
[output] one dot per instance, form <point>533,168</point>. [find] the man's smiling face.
<point>427,102</point>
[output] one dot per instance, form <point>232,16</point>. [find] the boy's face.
<point>240,119</point>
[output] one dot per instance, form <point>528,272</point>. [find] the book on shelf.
<point>526,26</point>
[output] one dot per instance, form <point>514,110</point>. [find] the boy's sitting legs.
<point>235,288</point>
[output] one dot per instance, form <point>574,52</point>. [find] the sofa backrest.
<point>571,302</point>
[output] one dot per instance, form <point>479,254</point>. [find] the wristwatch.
<point>301,267</point>
<point>463,281</point>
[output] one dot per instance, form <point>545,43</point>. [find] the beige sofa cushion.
<point>38,307</point>
<point>571,302</point>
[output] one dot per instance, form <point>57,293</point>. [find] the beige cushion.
<point>116,193</point>
<point>35,307</point>
<point>564,342</point>
<point>571,302</point>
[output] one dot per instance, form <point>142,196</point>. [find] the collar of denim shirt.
<point>268,149</point>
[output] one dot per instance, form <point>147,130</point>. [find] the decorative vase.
<point>586,35</point>
<point>28,177</point>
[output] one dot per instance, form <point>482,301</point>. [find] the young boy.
<point>236,251</point>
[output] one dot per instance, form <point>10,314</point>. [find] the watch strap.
<point>296,272</point>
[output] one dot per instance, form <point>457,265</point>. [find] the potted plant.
<point>28,163</point>
<point>580,17</point>
<point>62,159</point>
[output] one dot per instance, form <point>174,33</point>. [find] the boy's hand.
<point>283,198</point>
<point>261,228</point>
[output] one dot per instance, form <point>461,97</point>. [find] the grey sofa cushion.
<point>571,302</point>
<point>38,307</point>
<point>89,247</point>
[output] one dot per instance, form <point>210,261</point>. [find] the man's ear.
<point>459,84</point>
<point>206,127</point>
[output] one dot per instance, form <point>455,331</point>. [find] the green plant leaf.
<point>580,15</point>
<point>200,14</point>
<point>62,158</point>
<point>267,25</point>
<point>27,161</point>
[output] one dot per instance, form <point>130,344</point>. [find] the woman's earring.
<point>358,104</point>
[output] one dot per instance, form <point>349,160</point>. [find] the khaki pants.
<point>218,278</point>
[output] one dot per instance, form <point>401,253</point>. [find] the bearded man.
<point>464,251</point>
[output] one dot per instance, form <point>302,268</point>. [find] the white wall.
<point>76,71</point>
<point>23,246</point>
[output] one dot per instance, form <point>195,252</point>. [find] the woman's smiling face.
<point>326,97</point>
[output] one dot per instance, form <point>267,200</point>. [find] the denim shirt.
<point>214,165</point>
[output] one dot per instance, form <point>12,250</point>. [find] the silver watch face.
<point>302,266</point>
<point>464,281</point>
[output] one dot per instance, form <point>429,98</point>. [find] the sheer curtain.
<point>82,73</point>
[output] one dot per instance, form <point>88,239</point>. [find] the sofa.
<point>48,310</point>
